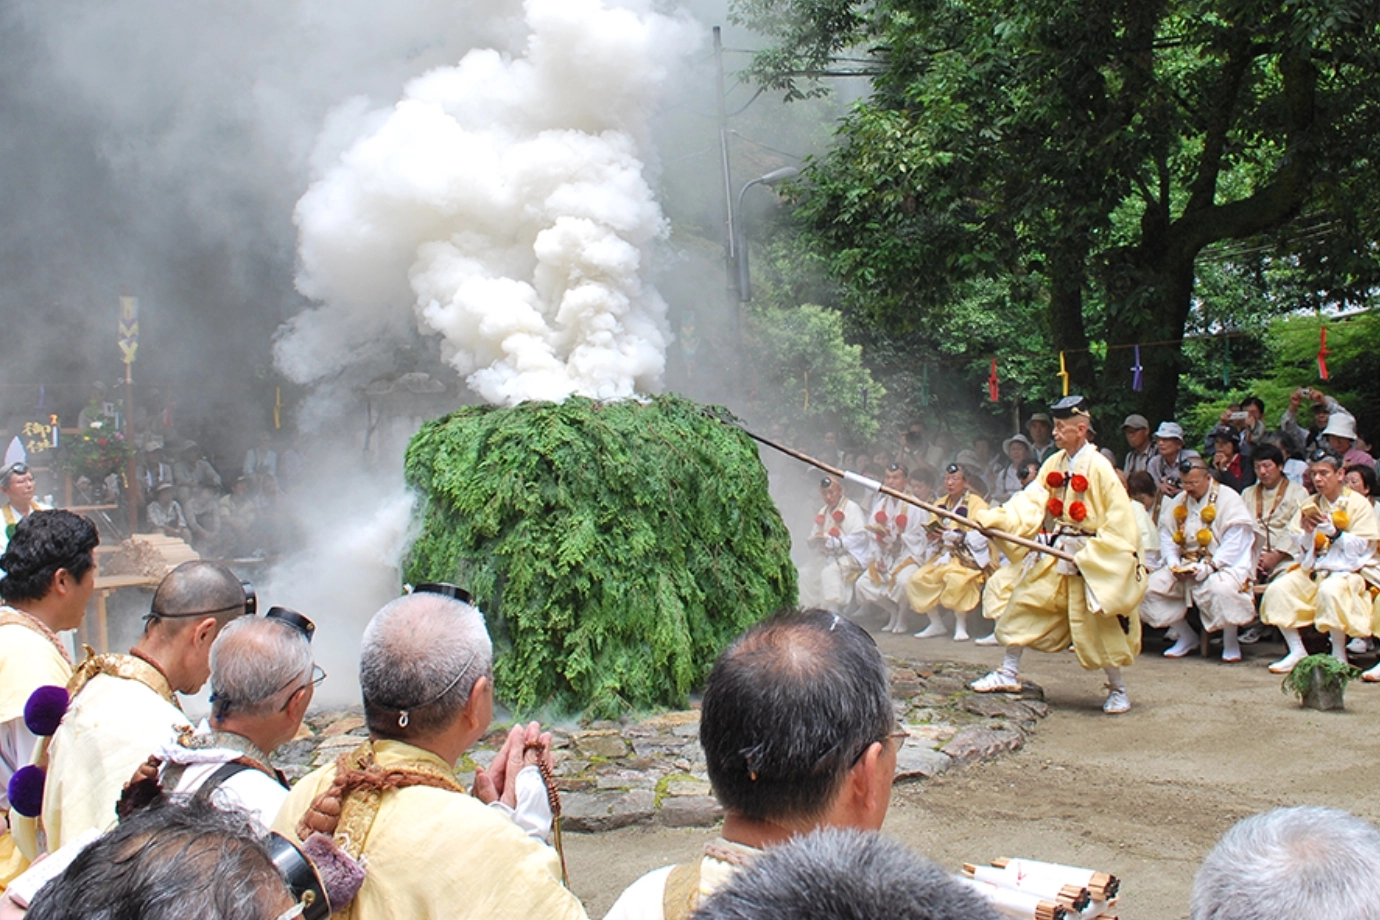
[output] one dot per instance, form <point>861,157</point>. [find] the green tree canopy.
<point>1084,155</point>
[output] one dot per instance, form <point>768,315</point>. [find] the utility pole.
<point>721,107</point>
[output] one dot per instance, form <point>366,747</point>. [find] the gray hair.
<point>252,661</point>
<point>1291,863</point>
<point>420,658</point>
<point>178,858</point>
<point>843,874</point>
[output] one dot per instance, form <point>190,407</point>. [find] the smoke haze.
<point>505,201</point>
<point>377,207</point>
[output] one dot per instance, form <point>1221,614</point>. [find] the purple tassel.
<point>26,791</point>
<point>340,874</point>
<point>45,708</point>
<point>1137,384</point>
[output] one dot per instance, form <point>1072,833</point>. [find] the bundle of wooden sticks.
<point>1026,889</point>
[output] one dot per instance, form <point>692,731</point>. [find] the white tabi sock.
<point>1231,648</point>
<point>1339,640</point>
<point>1011,662</point>
<point>1114,679</point>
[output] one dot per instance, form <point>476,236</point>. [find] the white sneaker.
<point>987,640</point>
<point>1286,664</point>
<point>1251,635</point>
<point>1117,701</point>
<point>997,682</point>
<point>934,629</point>
<point>1358,646</point>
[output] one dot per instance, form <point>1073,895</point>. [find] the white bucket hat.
<point>1170,430</point>
<point>1342,425</point>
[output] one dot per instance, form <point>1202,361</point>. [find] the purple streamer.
<point>1137,384</point>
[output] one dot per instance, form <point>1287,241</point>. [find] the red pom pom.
<point>1055,506</point>
<point>833,531</point>
<point>1055,479</point>
<point>880,517</point>
<point>838,516</point>
<point>901,521</point>
<point>1078,511</point>
<point>1079,482</point>
<point>819,519</point>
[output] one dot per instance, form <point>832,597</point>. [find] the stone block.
<point>690,811</point>
<point>977,744</point>
<point>914,762</point>
<point>591,812</point>
<point>605,744</point>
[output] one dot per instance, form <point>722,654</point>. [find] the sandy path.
<point>1144,795</point>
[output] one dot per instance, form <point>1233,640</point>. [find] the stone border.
<point>652,771</point>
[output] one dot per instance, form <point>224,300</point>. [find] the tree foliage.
<point>1083,156</point>
<point>616,548</point>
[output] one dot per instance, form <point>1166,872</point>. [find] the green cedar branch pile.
<point>615,548</point>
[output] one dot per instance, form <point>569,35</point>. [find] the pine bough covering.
<point>615,548</point>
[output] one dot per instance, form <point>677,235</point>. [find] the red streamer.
<point>993,390</point>
<point>1323,353</point>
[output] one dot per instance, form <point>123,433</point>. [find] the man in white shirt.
<point>262,681</point>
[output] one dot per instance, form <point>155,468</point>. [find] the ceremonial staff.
<point>936,510</point>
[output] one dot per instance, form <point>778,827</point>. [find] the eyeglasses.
<point>898,735</point>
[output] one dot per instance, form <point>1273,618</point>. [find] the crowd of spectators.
<point>857,551</point>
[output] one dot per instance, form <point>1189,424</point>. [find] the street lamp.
<point>771,178</point>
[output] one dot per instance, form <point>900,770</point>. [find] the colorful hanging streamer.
<point>993,389</point>
<point>1063,373</point>
<point>277,408</point>
<point>807,392</point>
<point>1226,364</point>
<point>1323,353</point>
<point>1137,374</point>
<point>925,385</point>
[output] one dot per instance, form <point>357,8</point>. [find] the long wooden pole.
<point>936,510</point>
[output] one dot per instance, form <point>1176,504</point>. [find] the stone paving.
<point>613,774</point>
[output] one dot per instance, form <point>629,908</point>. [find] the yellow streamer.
<point>1063,373</point>
<point>807,391</point>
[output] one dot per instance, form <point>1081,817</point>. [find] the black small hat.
<point>455,592</point>
<point>292,618</point>
<point>1071,406</point>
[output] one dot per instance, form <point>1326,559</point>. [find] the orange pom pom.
<point>1180,514</point>
<point>1341,520</point>
<point>1209,514</point>
<point>1204,536</point>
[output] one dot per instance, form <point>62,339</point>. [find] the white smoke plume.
<point>506,202</point>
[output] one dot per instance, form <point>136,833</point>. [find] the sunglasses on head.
<point>1188,466</point>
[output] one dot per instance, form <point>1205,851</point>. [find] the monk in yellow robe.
<point>1330,587</point>
<point>393,809</point>
<point>959,563</point>
<point>1076,504</point>
<point>49,576</point>
<point>125,706</point>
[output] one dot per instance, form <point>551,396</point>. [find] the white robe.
<point>1221,585</point>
